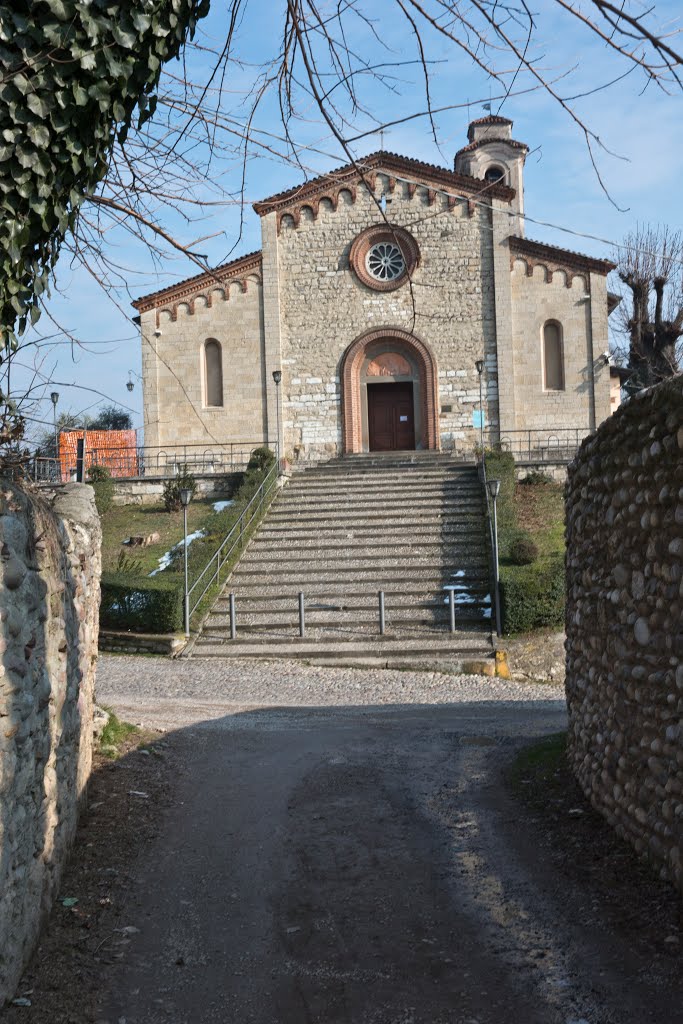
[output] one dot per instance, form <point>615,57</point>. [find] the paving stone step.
<point>376,479</point>
<point>438,554</point>
<point>423,640</point>
<point>395,520</point>
<point>255,587</point>
<point>353,547</point>
<point>410,525</point>
<point>395,532</point>
<point>394,622</point>
<point>419,598</point>
<point>360,511</point>
<point>373,482</point>
<point>396,508</point>
<point>423,652</point>
<point>374,486</point>
<point>377,578</point>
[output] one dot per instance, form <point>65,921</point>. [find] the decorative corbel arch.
<point>350,376</point>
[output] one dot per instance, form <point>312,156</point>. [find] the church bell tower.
<point>494,156</point>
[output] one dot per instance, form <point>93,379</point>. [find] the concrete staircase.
<point>410,524</point>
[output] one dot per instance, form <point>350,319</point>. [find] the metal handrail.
<point>237,535</point>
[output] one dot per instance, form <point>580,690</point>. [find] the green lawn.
<point>142,520</point>
<point>532,596</point>
<point>539,509</point>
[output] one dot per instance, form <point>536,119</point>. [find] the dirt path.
<point>355,857</point>
<point>306,875</point>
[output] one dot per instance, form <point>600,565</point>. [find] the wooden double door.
<point>391,417</point>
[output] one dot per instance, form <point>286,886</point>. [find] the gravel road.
<point>340,849</point>
<point>166,694</point>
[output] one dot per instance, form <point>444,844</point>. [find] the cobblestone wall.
<point>624,623</point>
<point>49,609</point>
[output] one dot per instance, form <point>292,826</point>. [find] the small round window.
<point>383,257</point>
<point>385,261</point>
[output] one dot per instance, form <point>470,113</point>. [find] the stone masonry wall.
<point>625,622</point>
<point>324,308</point>
<point>172,369</point>
<point>584,402</point>
<point>49,611</point>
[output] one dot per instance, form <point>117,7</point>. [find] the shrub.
<point>128,565</point>
<point>172,489</point>
<point>537,476</point>
<point>98,473</point>
<point>141,604</point>
<point>261,458</point>
<point>103,486</point>
<point>523,551</point>
<point>532,595</point>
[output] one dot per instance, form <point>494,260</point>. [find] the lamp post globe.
<point>479,364</point>
<point>54,398</point>
<point>277,377</point>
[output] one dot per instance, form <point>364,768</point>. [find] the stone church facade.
<point>377,289</point>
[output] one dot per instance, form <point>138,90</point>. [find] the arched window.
<point>494,174</point>
<point>553,363</point>
<point>213,373</point>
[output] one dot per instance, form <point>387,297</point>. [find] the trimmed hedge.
<point>532,595</point>
<point>141,604</point>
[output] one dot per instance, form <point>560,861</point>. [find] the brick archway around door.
<point>351,367</point>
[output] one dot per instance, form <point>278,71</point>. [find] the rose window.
<point>385,261</point>
<point>384,257</point>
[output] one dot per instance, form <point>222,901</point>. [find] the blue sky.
<point>641,126</point>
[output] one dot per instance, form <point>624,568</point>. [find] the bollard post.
<point>302,615</point>
<point>451,608</point>
<point>382,622</point>
<point>233,620</point>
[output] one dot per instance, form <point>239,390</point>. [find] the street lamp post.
<point>185,498</point>
<point>54,398</point>
<point>494,490</point>
<point>277,377</point>
<point>480,370</point>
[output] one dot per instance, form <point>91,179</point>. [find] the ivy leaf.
<point>39,135</point>
<point>38,104</point>
<point>60,9</point>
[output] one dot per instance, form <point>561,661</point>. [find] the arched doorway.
<point>389,393</point>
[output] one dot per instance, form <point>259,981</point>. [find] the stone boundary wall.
<point>625,623</point>
<point>150,490</point>
<point>49,612</point>
<point>117,642</point>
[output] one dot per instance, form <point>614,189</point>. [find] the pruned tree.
<point>650,266</point>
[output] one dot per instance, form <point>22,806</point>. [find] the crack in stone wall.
<point>624,623</point>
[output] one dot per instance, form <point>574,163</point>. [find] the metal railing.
<point>210,576</point>
<point>552,444</point>
<point>150,461</point>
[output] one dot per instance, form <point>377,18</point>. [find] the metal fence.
<point>147,461</point>
<point>538,446</point>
